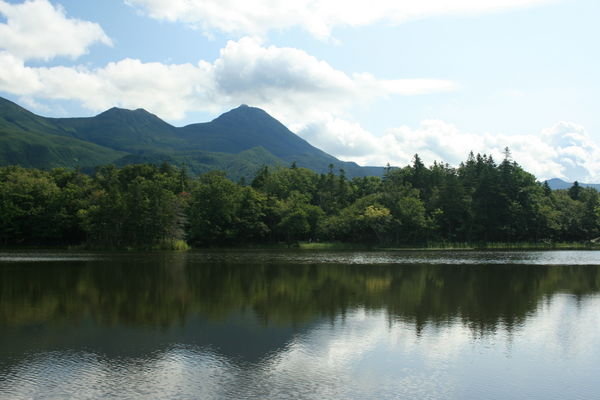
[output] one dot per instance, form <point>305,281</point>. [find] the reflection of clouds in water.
<point>441,257</point>
<point>563,328</point>
<point>366,357</point>
<point>439,345</point>
<point>46,257</point>
<point>55,375</point>
<point>176,373</point>
<point>360,355</point>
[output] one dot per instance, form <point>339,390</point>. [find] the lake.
<point>300,325</point>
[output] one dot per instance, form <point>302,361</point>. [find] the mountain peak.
<point>245,114</point>
<point>239,141</point>
<point>246,108</point>
<point>124,111</point>
<point>121,115</point>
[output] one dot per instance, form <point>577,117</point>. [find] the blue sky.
<point>374,82</point>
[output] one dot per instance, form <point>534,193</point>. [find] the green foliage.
<point>297,218</point>
<point>222,212</point>
<point>172,244</point>
<point>149,206</point>
<point>282,182</point>
<point>29,201</point>
<point>137,206</point>
<point>575,191</point>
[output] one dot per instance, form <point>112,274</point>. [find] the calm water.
<point>300,325</point>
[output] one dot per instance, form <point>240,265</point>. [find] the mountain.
<point>247,127</point>
<point>125,130</point>
<point>33,141</point>
<point>238,142</point>
<point>556,184</point>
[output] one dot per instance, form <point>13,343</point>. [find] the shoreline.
<point>325,246</point>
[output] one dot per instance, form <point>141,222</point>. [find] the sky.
<point>368,81</point>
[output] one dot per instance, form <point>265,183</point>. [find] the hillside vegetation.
<point>238,142</point>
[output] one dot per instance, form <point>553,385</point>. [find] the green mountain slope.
<point>238,142</point>
<point>244,128</point>
<point>32,141</point>
<point>126,130</point>
<point>44,151</point>
<point>15,118</point>
<point>247,127</point>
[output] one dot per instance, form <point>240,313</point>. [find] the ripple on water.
<point>174,374</point>
<point>579,257</point>
<point>365,352</point>
<point>35,257</point>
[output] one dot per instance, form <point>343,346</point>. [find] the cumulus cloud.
<point>307,94</point>
<point>168,90</point>
<point>36,29</point>
<point>347,140</point>
<point>576,151</point>
<point>318,17</point>
<point>292,84</point>
<point>565,150</point>
<point>288,82</point>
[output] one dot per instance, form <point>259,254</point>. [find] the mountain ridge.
<point>239,141</point>
<point>558,184</point>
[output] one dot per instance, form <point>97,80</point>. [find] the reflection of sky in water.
<point>408,257</point>
<point>553,354</point>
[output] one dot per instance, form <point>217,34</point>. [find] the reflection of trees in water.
<point>164,289</point>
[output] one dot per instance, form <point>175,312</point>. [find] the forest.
<point>149,206</point>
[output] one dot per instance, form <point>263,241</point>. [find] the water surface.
<point>302,325</point>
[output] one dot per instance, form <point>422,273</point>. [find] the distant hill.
<point>556,184</point>
<point>238,142</point>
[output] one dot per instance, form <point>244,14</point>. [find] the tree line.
<point>154,206</point>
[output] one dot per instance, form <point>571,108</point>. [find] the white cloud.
<point>576,151</point>
<point>347,140</point>
<point>565,150</point>
<point>169,90</point>
<point>15,77</point>
<point>319,17</point>
<point>286,81</point>
<point>294,85</point>
<point>305,93</point>
<point>36,29</point>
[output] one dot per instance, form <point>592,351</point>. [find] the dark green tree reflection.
<point>165,290</point>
